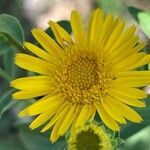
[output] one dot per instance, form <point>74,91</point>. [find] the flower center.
<point>88,140</point>
<point>83,73</point>
<point>82,78</point>
<point>89,137</point>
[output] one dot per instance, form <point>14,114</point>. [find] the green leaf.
<point>12,30</point>
<point>10,66</point>
<point>4,45</point>
<point>11,142</point>
<point>144,21</point>
<point>34,140</point>
<point>9,139</point>
<point>4,75</point>
<point>139,141</point>
<point>8,69</point>
<point>116,7</point>
<point>7,53</point>
<point>6,102</point>
<point>134,12</point>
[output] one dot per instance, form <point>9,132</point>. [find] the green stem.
<point>4,75</point>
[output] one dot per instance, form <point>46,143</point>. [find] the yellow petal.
<point>107,23</point>
<point>60,112</point>
<point>32,64</point>
<point>136,74</point>
<point>132,82</point>
<point>145,60</point>
<point>89,32</point>
<point>128,92</point>
<point>139,46</point>
<point>54,134</point>
<point>30,94</point>
<point>108,121</point>
<point>38,51</point>
<point>125,49</point>
<point>45,116</point>
<point>32,83</point>
<point>61,35</point>
<point>41,105</point>
<point>124,38</point>
<point>67,120</point>
<point>42,118</point>
<point>46,41</point>
<point>77,112</point>
<point>92,112</point>
<point>126,111</point>
<point>112,112</point>
<point>132,78</point>
<point>83,116</point>
<point>124,63</point>
<point>128,100</point>
<point>109,31</point>
<point>77,27</point>
<point>115,34</point>
<point>95,22</point>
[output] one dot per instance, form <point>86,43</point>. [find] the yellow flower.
<point>94,71</point>
<point>89,137</point>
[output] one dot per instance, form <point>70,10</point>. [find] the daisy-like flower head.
<point>91,137</point>
<point>96,71</point>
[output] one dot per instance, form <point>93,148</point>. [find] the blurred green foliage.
<point>15,8</point>
<point>138,141</point>
<point>14,133</point>
<point>144,21</point>
<point>134,11</point>
<point>117,7</point>
<point>13,136</point>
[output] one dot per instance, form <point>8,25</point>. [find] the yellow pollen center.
<point>83,73</point>
<point>82,78</point>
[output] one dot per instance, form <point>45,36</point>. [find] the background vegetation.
<point>14,132</point>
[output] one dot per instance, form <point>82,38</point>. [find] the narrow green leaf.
<point>10,67</point>
<point>7,53</point>
<point>4,45</point>
<point>34,140</point>
<point>5,75</point>
<point>9,139</point>
<point>11,142</point>
<point>138,141</point>
<point>8,70</point>
<point>6,102</point>
<point>144,21</point>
